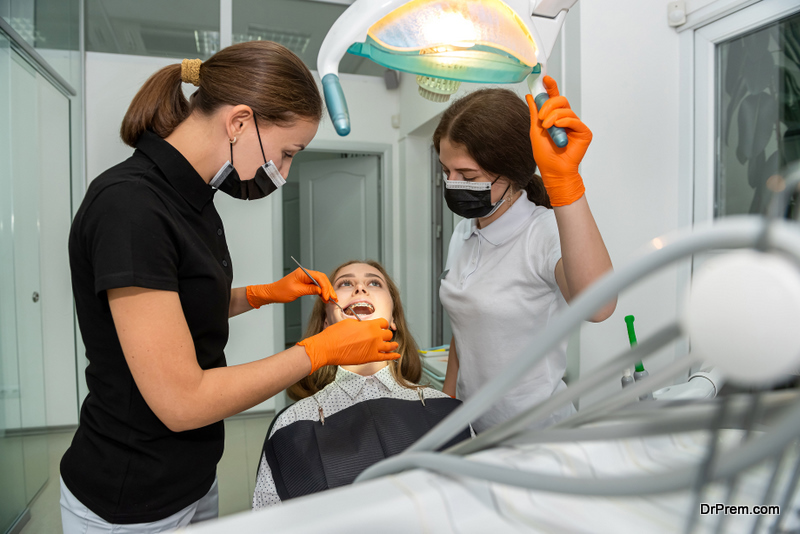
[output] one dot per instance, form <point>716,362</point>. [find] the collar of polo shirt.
<point>508,223</point>
<point>177,170</point>
<point>352,383</point>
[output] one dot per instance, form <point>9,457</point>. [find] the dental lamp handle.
<point>558,135</point>
<point>337,105</point>
<point>540,96</point>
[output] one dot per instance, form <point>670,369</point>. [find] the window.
<point>743,93</point>
<point>191,28</point>
<point>758,114</point>
<point>51,28</point>
<point>175,29</point>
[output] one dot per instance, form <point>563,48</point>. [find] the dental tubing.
<point>731,233</point>
<point>558,165</point>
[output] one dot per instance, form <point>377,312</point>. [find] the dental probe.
<point>320,287</point>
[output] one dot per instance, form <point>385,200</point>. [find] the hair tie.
<point>190,71</point>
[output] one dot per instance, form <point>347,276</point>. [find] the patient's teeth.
<point>361,304</point>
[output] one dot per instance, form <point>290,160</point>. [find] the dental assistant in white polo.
<point>527,246</point>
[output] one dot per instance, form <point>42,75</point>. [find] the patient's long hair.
<point>406,371</point>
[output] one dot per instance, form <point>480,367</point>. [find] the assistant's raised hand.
<point>558,166</point>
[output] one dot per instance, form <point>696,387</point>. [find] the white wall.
<point>253,228</point>
<point>629,96</point>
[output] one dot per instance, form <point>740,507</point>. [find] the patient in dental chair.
<point>350,417</point>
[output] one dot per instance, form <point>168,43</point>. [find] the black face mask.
<point>471,200</point>
<point>266,181</point>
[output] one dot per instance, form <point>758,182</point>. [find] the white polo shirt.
<point>499,288</point>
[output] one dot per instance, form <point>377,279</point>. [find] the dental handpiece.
<point>320,287</point>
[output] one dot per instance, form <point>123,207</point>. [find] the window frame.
<point>701,149</point>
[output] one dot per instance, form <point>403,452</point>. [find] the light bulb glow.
<point>449,28</point>
<point>450,25</point>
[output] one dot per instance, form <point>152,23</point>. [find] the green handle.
<point>632,338</point>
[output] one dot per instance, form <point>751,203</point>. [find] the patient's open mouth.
<point>359,308</point>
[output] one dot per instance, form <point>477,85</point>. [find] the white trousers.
<point>78,519</point>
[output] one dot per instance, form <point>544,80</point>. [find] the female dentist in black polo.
<point>151,277</point>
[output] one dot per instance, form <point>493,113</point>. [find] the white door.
<point>340,216</point>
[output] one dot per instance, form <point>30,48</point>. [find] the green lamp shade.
<point>481,41</point>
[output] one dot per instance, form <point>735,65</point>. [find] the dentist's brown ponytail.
<point>159,106</point>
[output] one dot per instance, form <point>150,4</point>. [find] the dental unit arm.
<point>512,44</point>
<point>704,384</point>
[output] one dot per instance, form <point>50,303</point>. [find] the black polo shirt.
<point>148,222</point>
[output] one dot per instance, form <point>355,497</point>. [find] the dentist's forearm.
<point>226,391</point>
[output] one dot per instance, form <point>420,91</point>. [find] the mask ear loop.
<point>259,140</point>
<point>504,192</point>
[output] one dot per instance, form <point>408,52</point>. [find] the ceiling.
<point>190,28</point>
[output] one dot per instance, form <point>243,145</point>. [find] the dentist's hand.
<point>290,288</point>
<point>351,343</point>
<point>558,166</point>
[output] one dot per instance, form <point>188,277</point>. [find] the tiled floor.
<point>244,436</point>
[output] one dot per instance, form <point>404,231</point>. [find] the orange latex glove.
<point>558,166</point>
<point>351,343</point>
<point>290,288</point>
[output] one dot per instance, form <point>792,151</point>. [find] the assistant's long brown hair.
<point>264,75</point>
<point>406,371</point>
<point>494,126</point>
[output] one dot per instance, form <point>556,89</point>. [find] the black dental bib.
<point>306,456</point>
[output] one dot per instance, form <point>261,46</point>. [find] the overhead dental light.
<point>443,42</point>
